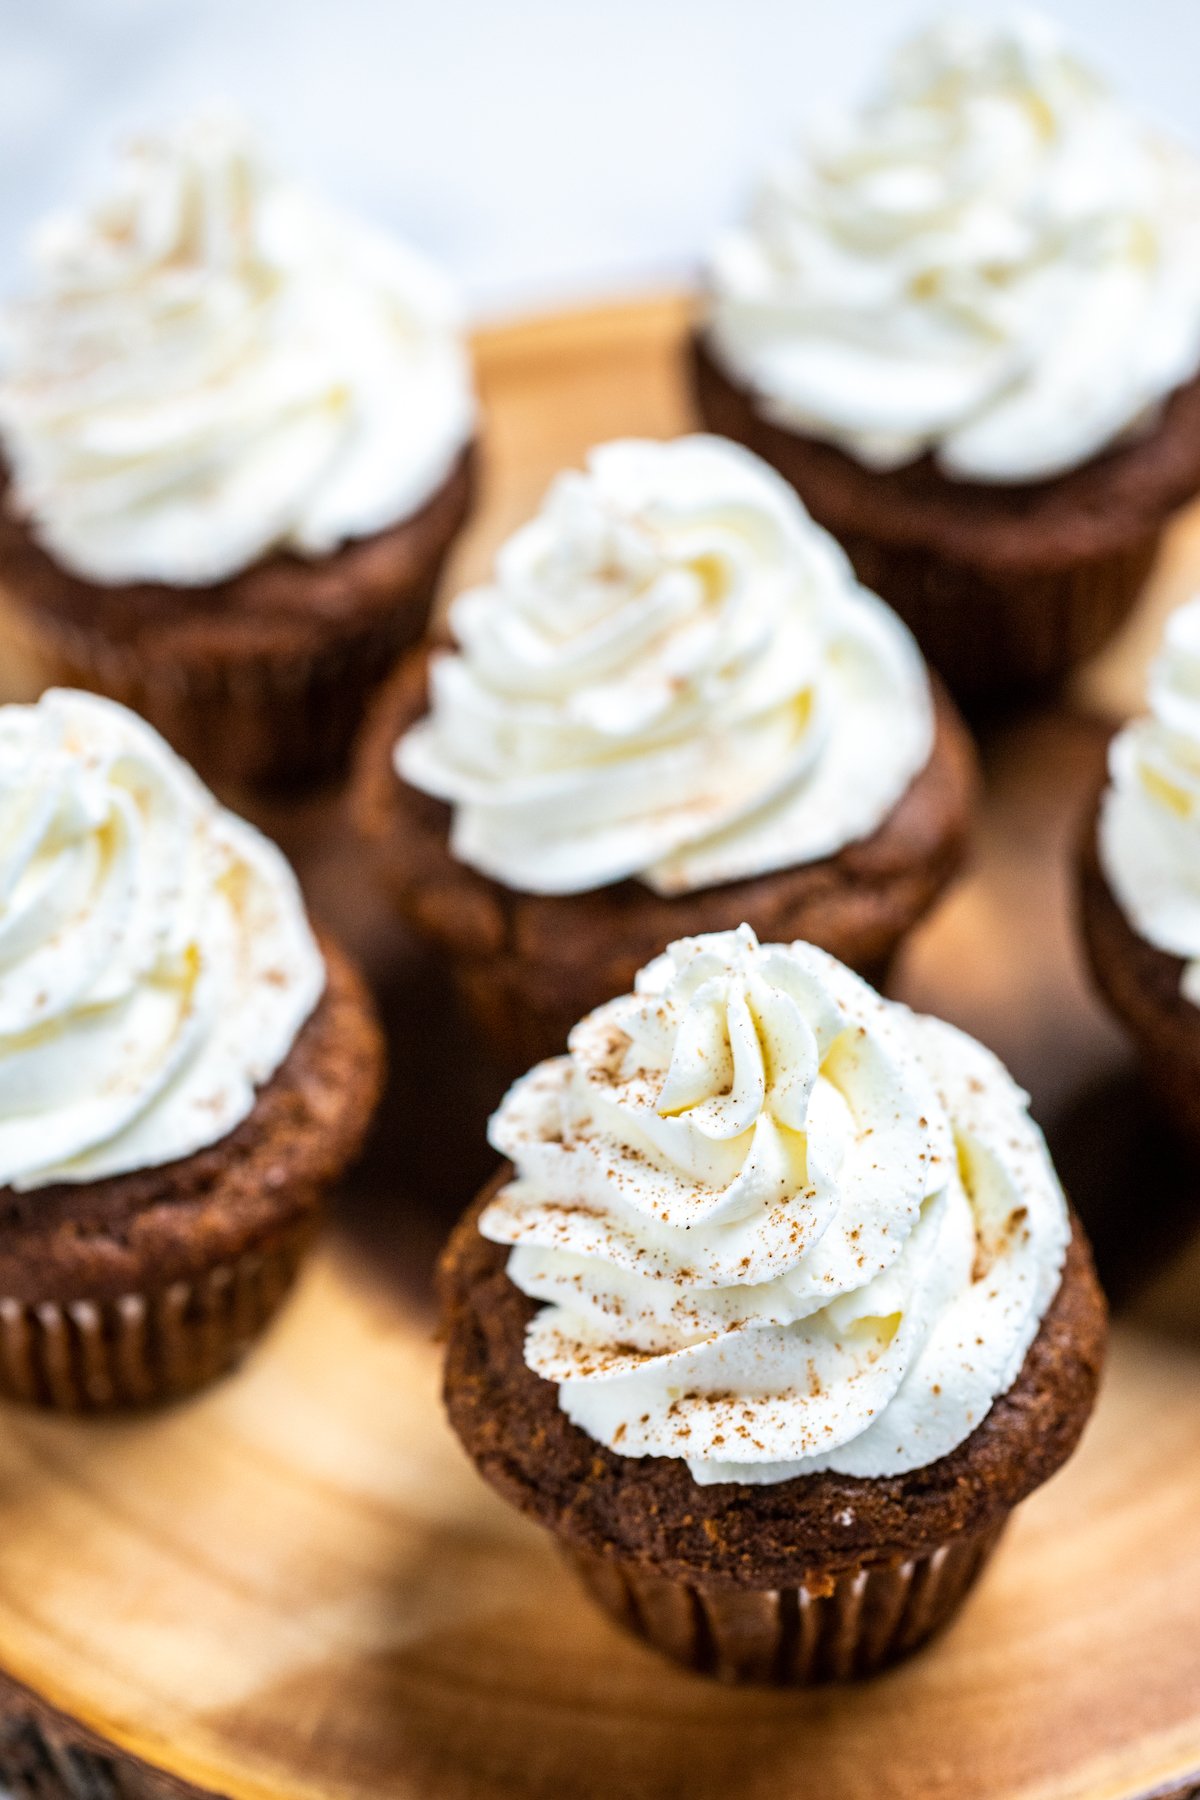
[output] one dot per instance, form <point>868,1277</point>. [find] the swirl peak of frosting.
<point>214,366</point>
<point>673,675</point>
<point>156,963</point>
<point>1149,833</point>
<point>778,1223</point>
<point>992,260</point>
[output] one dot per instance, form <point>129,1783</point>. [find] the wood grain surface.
<point>294,1587</point>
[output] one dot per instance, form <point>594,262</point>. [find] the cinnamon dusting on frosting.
<point>764,1257</point>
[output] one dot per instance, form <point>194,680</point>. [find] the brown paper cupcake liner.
<point>141,1348</point>
<point>988,634</point>
<point>262,718</point>
<point>847,1627</point>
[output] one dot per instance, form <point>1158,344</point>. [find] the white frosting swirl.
<point>155,959</point>
<point>215,366</point>
<point>1149,836</point>
<point>674,675</point>
<point>780,1224</point>
<point>992,259</point>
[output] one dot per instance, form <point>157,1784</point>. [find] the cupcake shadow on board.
<point>1139,879</point>
<point>673,708</point>
<point>775,1313</point>
<point>964,322</point>
<point>238,436</point>
<point>185,1066</point>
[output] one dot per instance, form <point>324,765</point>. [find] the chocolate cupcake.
<point>673,709</point>
<point>237,430</point>
<point>776,1314</point>
<point>184,1070</point>
<point>1140,877</point>
<point>965,325</point>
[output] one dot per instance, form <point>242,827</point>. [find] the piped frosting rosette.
<point>215,365</point>
<point>779,1224</point>
<point>993,259</point>
<point>1150,815</point>
<point>156,962</point>
<point>675,676</point>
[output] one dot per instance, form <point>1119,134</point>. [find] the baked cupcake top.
<point>779,1223</point>
<point>1149,826</point>
<point>213,366</point>
<point>992,260</point>
<point>673,675</point>
<point>156,963</point>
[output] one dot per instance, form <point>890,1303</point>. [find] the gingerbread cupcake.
<point>776,1313</point>
<point>965,323</point>
<point>1140,877</point>
<point>184,1068</point>
<point>237,432</point>
<point>672,709</point>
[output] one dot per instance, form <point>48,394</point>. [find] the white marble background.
<point>545,149</point>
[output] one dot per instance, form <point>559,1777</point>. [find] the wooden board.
<point>295,1588</point>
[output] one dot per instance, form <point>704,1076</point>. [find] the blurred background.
<point>545,152</point>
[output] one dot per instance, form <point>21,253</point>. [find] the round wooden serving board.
<point>295,1588</point>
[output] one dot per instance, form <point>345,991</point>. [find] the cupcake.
<point>672,709</point>
<point>965,324</point>
<point>776,1313</point>
<point>1140,877</point>
<point>236,430</point>
<point>184,1067</point>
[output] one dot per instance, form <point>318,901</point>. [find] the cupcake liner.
<point>262,717</point>
<point>837,1629</point>
<point>990,634</point>
<point>140,1348</point>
